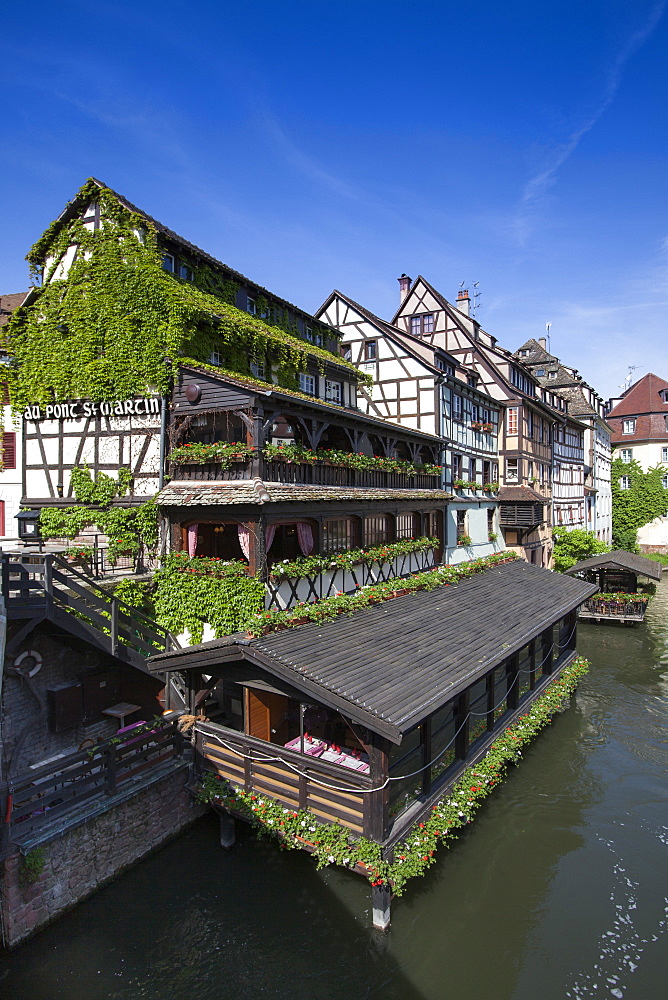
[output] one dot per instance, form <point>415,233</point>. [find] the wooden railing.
<point>296,780</point>
<point>51,584</point>
<point>522,515</point>
<point>601,606</point>
<point>52,791</point>
<point>319,474</point>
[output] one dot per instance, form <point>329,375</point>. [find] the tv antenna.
<point>475,306</point>
<point>626,384</point>
<point>548,327</point>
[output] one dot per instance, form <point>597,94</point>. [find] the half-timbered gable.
<point>420,384</point>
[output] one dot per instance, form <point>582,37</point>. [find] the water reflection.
<point>553,892</point>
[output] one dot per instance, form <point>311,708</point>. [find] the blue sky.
<point>314,144</point>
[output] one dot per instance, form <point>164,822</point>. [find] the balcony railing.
<point>602,607</point>
<point>317,474</point>
<point>521,515</point>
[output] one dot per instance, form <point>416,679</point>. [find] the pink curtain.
<point>305,537</point>
<point>269,533</point>
<point>192,539</point>
<point>244,539</point>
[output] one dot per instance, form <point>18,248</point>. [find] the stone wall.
<point>81,859</point>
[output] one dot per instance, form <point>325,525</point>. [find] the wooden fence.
<point>52,791</point>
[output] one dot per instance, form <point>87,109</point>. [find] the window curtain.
<point>244,539</point>
<point>269,534</point>
<point>192,539</point>
<point>305,537</point>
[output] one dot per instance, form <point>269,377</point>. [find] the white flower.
<point>312,829</point>
<point>303,822</point>
<point>330,857</point>
<point>346,861</point>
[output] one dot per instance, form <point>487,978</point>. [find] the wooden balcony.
<point>331,792</point>
<point>318,474</point>
<point>521,515</point>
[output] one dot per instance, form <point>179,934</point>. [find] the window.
<point>370,347</point>
<point>629,426</point>
<point>457,407</point>
<point>376,530</point>
<point>530,470</point>
<point>185,272</point>
<point>405,526</point>
<point>338,535</point>
<point>461,524</point>
<point>313,338</point>
<point>511,420</point>
<point>490,520</point>
<point>257,369</point>
<point>627,454</point>
<point>664,482</point>
<point>528,424</point>
<point>540,372</point>
<point>168,262</point>
<point>472,380</point>
<point>664,454</point>
<point>250,306</point>
<point>443,365</point>
<point>457,467</point>
<point>215,358</point>
<point>512,470</point>
<point>9,450</point>
<point>333,391</point>
<point>551,374</point>
<point>522,381</point>
<point>524,353</point>
<point>421,325</point>
<point>625,482</point>
<point>307,383</point>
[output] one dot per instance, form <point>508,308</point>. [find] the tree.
<point>643,498</point>
<point>572,546</point>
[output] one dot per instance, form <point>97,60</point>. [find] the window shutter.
<point>9,450</point>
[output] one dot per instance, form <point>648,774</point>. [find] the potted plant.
<point>492,536</point>
<point>464,540</point>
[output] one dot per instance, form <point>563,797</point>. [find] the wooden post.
<point>547,650</point>
<point>490,699</point>
<point>48,581</point>
<point>113,636</point>
<point>377,804</point>
<point>462,725</point>
<point>532,664</point>
<point>111,770</point>
<point>381,897</point>
<point>426,755</point>
<point>227,830</point>
<point>512,673</point>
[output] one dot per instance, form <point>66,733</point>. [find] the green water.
<point>557,891</point>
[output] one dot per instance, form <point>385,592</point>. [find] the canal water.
<point>557,891</point>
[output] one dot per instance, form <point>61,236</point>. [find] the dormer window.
<point>540,372</point>
<point>629,426</point>
<point>168,262</point>
<point>524,353</point>
<point>664,395</point>
<point>552,374</point>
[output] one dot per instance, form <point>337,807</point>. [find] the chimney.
<point>405,283</point>
<point>463,301</point>
<point>543,343</point>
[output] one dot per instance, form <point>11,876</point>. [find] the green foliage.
<point>645,500</point>
<point>189,592</point>
<point>31,867</point>
<point>334,844</point>
<point>135,593</point>
<point>347,459</point>
<point>312,565</point>
<point>126,527</point>
<point>105,330</point>
<point>223,453</point>
<point>572,546</point>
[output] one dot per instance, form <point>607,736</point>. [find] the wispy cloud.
<point>536,186</point>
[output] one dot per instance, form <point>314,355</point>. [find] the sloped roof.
<point>642,397</point>
<point>536,355</point>
<point>392,664</point>
<point>194,493</point>
<point>619,559</point>
<point>520,494</point>
<point>8,303</point>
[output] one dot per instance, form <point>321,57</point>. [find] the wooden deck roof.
<point>619,559</point>
<point>391,665</point>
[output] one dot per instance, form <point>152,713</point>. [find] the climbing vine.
<point>126,527</point>
<point>106,330</point>
<point>643,499</point>
<point>572,546</point>
<point>189,592</point>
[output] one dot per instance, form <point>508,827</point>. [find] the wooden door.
<point>265,712</point>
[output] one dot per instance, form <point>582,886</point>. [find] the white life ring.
<point>32,654</point>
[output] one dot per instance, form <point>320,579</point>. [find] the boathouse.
<point>620,597</point>
<point>367,719</point>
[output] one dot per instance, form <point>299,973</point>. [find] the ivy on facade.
<point>642,499</point>
<point>118,324</point>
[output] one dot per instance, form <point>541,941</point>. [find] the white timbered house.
<point>422,386</point>
<point>10,467</point>
<point>531,411</point>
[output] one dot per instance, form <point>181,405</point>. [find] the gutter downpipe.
<point>164,405</point>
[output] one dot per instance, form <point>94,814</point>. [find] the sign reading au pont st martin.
<point>82,408</point>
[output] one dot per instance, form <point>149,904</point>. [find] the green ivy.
<point>645,500</point>
<point>312,565</point>
<point>334,844</point>
<point>31,867</point>
<point>189,592</point>
<point>105,330</point>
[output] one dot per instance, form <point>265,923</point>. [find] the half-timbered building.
<point>420,385</point>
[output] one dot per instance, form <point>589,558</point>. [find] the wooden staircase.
<point>51,589</point>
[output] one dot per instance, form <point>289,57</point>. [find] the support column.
<point>381,896</point>
<point>227,830</point>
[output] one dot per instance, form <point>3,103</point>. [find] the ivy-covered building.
<point>639,421</point>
